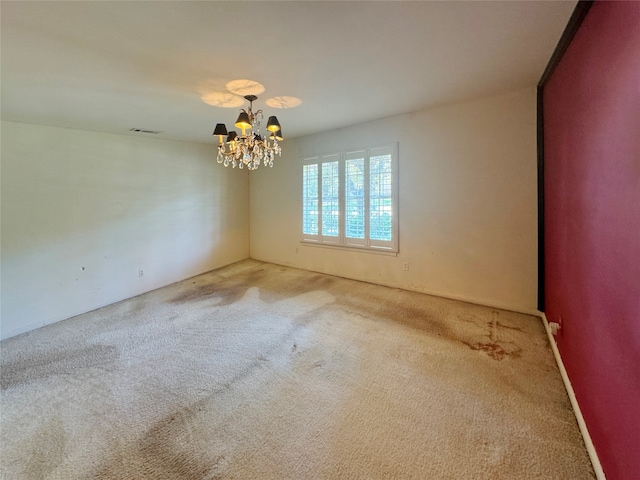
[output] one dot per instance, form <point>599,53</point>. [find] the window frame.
<point>342,241</point>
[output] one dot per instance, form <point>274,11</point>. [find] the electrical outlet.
<point>405,266</point>
<point>140,273</point>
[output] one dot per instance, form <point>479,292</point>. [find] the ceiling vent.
<point>142,130</point>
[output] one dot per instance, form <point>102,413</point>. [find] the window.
<point>350,199</point>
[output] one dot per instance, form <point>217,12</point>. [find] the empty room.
<point>320,240</point>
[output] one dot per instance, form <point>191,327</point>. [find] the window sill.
<point>354,248</point>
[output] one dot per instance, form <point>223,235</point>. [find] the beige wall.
<point>468,208</point>
<point>117,204</point>
<point>83,212</point>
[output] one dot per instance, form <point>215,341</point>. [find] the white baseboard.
<point>595,461</point>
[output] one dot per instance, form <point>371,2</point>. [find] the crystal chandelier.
<point>249,149</point>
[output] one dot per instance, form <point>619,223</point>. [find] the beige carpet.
<point>257,371</point>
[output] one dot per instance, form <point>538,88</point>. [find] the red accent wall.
<point>592,226</point>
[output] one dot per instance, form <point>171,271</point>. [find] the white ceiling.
<point>111,66</point>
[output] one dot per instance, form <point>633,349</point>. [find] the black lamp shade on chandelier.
<point>243,121</point>
<point>272,124</point>
<point>220,129</point>
<point>250,149</point>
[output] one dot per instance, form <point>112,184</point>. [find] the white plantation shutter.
<point>310,215</point>
<point>381,198</point>
<point>330,195</point>
<point>355,198</point>
<point>350,199</point>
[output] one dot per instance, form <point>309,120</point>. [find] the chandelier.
<point>250,149</point>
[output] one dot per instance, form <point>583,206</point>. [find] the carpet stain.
<point>408,309</point>
<point>225,295</point>
<point>165,453</point>
<point>286,283</point>
<point>496,347</point>
<point>404,308</point>
<point>166,450</point>
<point>51,440</point>
<point>495,350</point>
<point>42,365</point>
<point>231,290</point>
